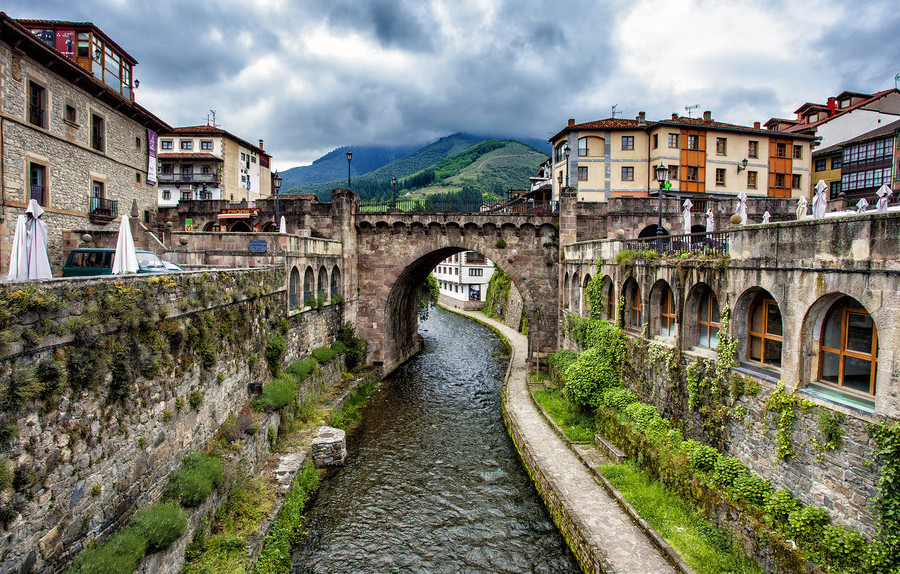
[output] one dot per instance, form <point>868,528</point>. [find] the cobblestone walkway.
<point>618,544</point>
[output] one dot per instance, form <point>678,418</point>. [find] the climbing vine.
<point>887,503</point>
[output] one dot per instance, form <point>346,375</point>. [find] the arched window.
<point>585,298</point>
<point>849,347</point>
<point>610,292</point>
<point>322,290</point>
<point>708,320</point>
<point>575,295</point>
<point>667,312</point>
<point>764,332</point>
<point>308,285</point>
<point>335,281</point>
<point>566,302</point>
<point>293,287</point>
<point>633,306</point>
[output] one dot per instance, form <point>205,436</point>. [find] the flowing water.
<point>434,483</point>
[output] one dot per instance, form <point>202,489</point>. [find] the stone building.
<point>72,137</point>
<point>463,279</point>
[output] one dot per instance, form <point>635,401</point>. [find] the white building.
<point>463,279</point>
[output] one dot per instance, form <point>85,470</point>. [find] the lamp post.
<point>662,174</point>
<point>566,151</point>
<point>276,183</point>
<point>349,156</point>
<point>394,192</point>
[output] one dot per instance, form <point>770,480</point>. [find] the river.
<point>434,483</point>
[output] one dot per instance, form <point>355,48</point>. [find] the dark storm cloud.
<point>864,50</point>
<point>394,24</point>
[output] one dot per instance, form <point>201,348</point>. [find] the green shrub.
<point>338,347</point>
<point>780,505</point>
<point>558,362</point>
<point>301,369</point>
<point>726,470</point>
<point>160,525</point>
<point>121,554</point>
<point>337,299</point>
<point>277,393</point>
<point>642,415</point>
<point>6,473</point>
<point>587,378</point>
<point>752,489</point>
<point>842,549</point>
<point>618,398</point>
<point>288,527</point>
<point>196,400</point>
<point>808,523</point>
<point>199,474</point>
<point>356,348</point>
<point>275,353</point>
<point>323,354</point>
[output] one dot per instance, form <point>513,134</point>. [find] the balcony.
<point>37,194</point>
<point>188,178</point>
<point>103,210</point>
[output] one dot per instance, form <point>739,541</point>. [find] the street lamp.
<point>276,183</point>
<point>566,151</point>
<point>662,174</point>
<point>394,192</point>
<point>349,156</point>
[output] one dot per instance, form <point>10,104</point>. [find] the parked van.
<point>86,261</point>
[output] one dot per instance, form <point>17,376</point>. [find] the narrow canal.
<point>434,483</point>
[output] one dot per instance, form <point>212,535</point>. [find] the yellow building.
<point>616,157</point>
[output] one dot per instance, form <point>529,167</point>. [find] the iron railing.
<point>704,243</point>
<point>103,206</point>
<point>188,178</point>
<point>37,194</point>
<point>439,203</point>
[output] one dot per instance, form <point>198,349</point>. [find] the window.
<point>633,305</point>
<point>753,149</point>
<point>335,281</point>
<point>137,142</point>
<point>38,180</point>
<point>582,173</point>
<point>721,146</point>
<point>667,312</point>
<point>764,332</point>
<point>97,132</point>
<point>97,195</point>
<point>751,180</point>
<point>779,180</point>
<point>206,170</point>
<point>673,173</point>
<point>206,145</point>
<point>37,104</point>
<point>560,152</point>
<point>673,141</point>
<point>798,152</point>
<point>610,301</point>
<point>165,144</point>
<point>708,320</point>
<point>836,162</point>
<point>322,285</point>
<point>582,147</point>
<point>292,288</point>
<point>795,181</point>
<point>308,285</point>
<point>693,142</point>
<point>252,159</point>
<point>166,194</point>
<point>780,150</point>
<point>167,168</point>
<point>821,164</point>
<point>137,177</point>
<point>71,115</point>
<point>476,272</point>
<point>186,144</point>
<point>720,176</point>
<point>627,173</point>
<point>243,157</point>
<point>627,143</point>
<point>692,173</point>
<point>849,347</point>
<point>834,189</point>
<point>655,141</point>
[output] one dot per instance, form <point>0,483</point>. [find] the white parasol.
<point>766,217</point>
<point>862,205</point>
<point>37,263</point>
<point>687,215</point>
<point>282,227</point>
<point>820,202</point>
<point>884,193</point>
<point>125,258</point>
<point>18,260</point>
<point>742,207</point>
<point>801,208</point>
<point>710,220</point>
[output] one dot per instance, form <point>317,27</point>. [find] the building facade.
<point>705,158</point>
<point>464,277</point>
<point>73,140</point>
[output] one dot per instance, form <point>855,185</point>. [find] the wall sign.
<point>258,246</point>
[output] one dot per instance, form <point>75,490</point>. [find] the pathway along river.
<point>434,483</point>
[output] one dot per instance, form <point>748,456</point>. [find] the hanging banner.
<point>151,157</point>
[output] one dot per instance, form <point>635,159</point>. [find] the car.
<point>88,261</point>
<point>171,266</point>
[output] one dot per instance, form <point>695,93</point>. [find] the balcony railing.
<point>103,210</point>
<point>188,178</point>
<point>711,243</point>
<point>37,194</point>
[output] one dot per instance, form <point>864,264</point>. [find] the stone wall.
<point>107,384</point>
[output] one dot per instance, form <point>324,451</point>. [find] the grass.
<point>350,412</point>
<point>576,425</point>
<point>706,548</point>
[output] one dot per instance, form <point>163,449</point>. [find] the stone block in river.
<point>329,448</point>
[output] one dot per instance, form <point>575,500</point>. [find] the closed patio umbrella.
<point>710,220</point>
<point>819,201</point>
<point>125,257</point>
<point>18,260</point>
<point>862,205</point>
<point>282,226</point>
<point>742,207</point>
<point>884,193</point>
<point>687,215</point>
<point>36,260</point>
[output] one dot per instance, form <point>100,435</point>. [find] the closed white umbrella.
<point>37,261</point>
<point>710,220</point>
<point>766,216</point>
<point>742,207</point>
<point>687,215</point>
<point>820,202</point>
<point>884,193</point>
<point>801,208</point>
<point>18,260</point>
<point>125,258</point>
<point>862,205</point>
<point>282,227</point>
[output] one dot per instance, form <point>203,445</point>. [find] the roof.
<point>211,131</point>
<point>798,127</point>
<point>884,130</point>
<point>811,106</point>
<point>189,155</point>
<point>14,34</point>
<point>78,26</point>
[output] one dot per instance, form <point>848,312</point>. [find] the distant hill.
<point>333,165</point>
<point>451,164</point>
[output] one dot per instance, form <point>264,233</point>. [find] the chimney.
<point>571,122</point>
<point>832,106</point>
<point>260,144</point>
<point>674,116</point>
<point>642,118</point>
<point>707,116</point>
<point>756,125</point>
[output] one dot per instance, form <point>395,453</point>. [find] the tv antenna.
<point>213,124</point>
<point>896,81</point>
<point>689,108</point>
<point>614,112</point>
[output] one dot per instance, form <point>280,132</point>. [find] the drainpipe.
<point>2,190</point>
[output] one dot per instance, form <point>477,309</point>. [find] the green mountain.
<point>452,164</point>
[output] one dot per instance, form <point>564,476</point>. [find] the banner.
<point>151,157</point>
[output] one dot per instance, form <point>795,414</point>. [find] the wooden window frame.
<point>627,173</point>
<point>797,152</point>
<point>166,144</point>
<point>673,141</point>
<point>763,335</point>
<point>667,312</point>
<point>38,100</point>
<point>633,301</point>
<point>751,180</point>
<point>693,142</point>
<point>582,173</point>
<point>706,323</point>
<point>796,181</point>
<point>721,146</point>
<point>846,310</point>
<point>720,176</point>
<point>610,301</point>
<point>98,132</point>
<point>753,149</point>
<point>627,143</point>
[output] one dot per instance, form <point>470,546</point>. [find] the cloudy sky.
<point>308,77</point>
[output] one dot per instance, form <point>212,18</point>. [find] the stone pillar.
<point>329,448</point>
<point>568,233</point>
<point>344,207</point>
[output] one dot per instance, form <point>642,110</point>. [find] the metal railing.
<point>37,194</point>
<point>188,178</point>
<point>711,243</point>
<point>439,203</point>
<point>103,206</point>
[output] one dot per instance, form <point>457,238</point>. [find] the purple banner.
<point>151,157</point>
